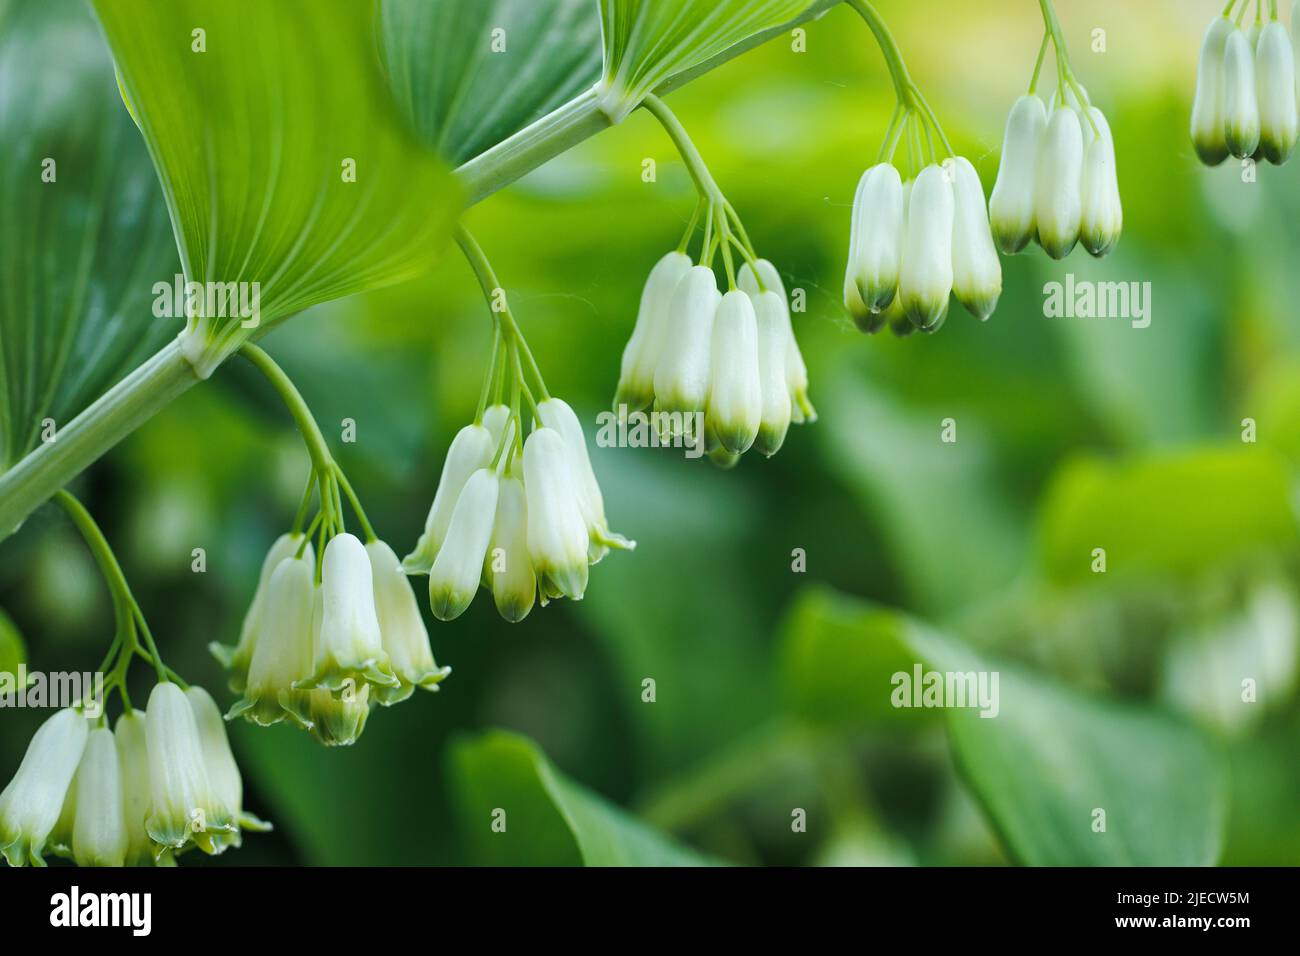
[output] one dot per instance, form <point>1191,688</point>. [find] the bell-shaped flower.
<point>496,419</point>
<point>1102,210</point>
<point>557,533</point>
<point>405,637</point>
<point>774,417</point>
<point>557,414</point>
<point>337,720</point>
<point>455,575</point>
<point>682,373</point>
<point>1208,108</point>
<point>875,246</point>
<point>184,808</point>
<point>285,654</point>
<point>99,836</point>
<point>925,280</point>
<point>1241,129</point>
<point>30,805</point>
<point>238,658</point>
<point>735,404</point>
<point>349,648</point>
<point>1011,205</point>
<point>508,568</point>
<point>796,372</point>
<point>636,382</point>
<point>223,772</point>
<point>133,765</point>
<point>976,269</point>
<point>1058,184</point>
<point>1276,92</point>
<point>470,450</point>
<point>59,842</point>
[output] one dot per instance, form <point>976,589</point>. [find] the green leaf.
<point>1174,514</point>
<point>548,820</point>
<point>84,233</point>
<point>255,125</point>
<point>648,42</point>
<point>12,650</point>
<point>468,75</point>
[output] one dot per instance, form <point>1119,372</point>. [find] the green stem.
<point>321,459</point>
<point>704,181</point>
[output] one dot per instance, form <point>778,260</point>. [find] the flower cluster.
<point>1246,99</point>
<point>913,244</point>
<point>159,784</point>
<point>324,640</point>
<point>1057,182</point>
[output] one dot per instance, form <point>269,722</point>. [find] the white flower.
<point>735,403</point>
<point>1240,101</point>
<point>223,772</point>
<point>470,450</point>
<point>925,277</point>
<point>1208,111</point>
<point>285,654</point>
<point>509,569</point>
<point>796,372</point>
<point>237,659</point>
<point>99,836</point>
<point>1102,217</point>
<point>30,805</point>
<point>774,417</point>
<point>1011,206</point>
<point>557,533</point>
<point>133,765</point>
<point>682,373</point>
<point>349,649</point>
<point>875,246</point>
<point>184,808</point>
<point>636,383</point>
<point>1276,92</point>
<point>455,575</point>
<point>976,269</point>
<point>1058,183</point>
<point>557,414</point>
<point>405,637</point>
<point>496,419</point>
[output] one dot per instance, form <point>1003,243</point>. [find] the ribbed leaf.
<point>254,135</point>
<point>84,232</point>
<point>469,73</point>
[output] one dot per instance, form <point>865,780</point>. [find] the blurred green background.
<point>771,685</point>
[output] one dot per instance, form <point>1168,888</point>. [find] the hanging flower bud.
<point>285,654</point>
<point>1011,206</point>
<point>976,269</point>
<point>1102,210</point>
<point>1208,108</point>
<point>455,576</point>
<point>1240,101</point>
<point>1058,184</point>
<point>99,834</point>
<point>735,404</point>
<point>508,568</point>
<point>875,246</point>
<point>405,637</point>
<point>496,419</point>
<point>223,772</point>
<point>557,534</point>
<point>682,375</point>
<point>796,372</point>
<point>337,720</point>
<point>1276,92</point>
<point>184,809</point>
<point>470,450</point>
<point>925,279</point>
<point>557,414</point>
<point>133,765</point>
<point>636,383</point>
<point>350,647</point>
<point>774,418</point>
<point>237,659</point>
<point>31,804</point>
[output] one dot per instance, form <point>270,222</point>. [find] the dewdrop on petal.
<point>636,383</point>
<point>796,372</point>
<point>875,246</point>
<point>237,659</point>
<point>285,655</point>
<point>1240,99</point>
<point>1058,181</point>
<point>925,279</point>
<point>1276,92</point>
<point>470,450</point>
<point>30,805</point>
<point>557,533</point>
<point>508,569</point>
<point>1011,205</point>
<point>1208,115</point>
<point>349,647</point>
<point>185,810</point>
<point>1102,217</point>
<point>455,575</point>
<point>976,269</point>
<point>735,405</point>
<point>133,764</point>
<point>774,416</point>
<point>405,637</point>
<point>682,373</point>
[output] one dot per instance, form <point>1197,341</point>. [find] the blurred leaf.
<point>647,42</point>
<point>84,233</point>
<point>549,820</point>
<point>1166,514</point>
<point>12,650</point>
<point>462,94</point>
<point>253,138</point>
